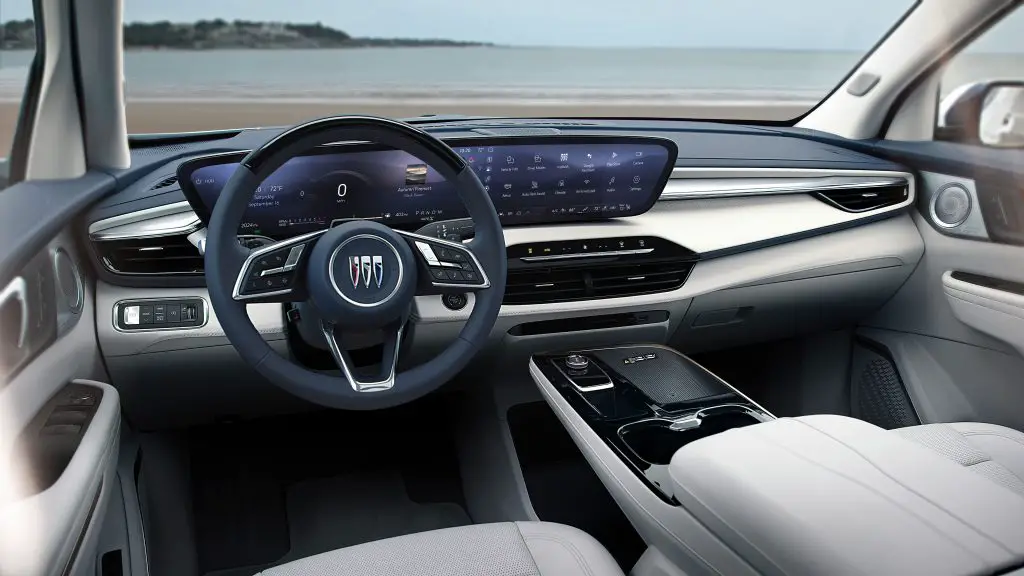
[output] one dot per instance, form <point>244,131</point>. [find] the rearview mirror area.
<point>987,113</point>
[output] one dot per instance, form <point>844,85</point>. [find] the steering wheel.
<point>358,276</point>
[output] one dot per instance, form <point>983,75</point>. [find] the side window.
<point>982,88</point>
<point>17,49</point>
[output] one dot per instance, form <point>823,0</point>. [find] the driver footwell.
<point>270,491</point>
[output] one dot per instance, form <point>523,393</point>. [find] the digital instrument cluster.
<point>530,181</point>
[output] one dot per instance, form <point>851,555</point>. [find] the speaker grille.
<point>951,205</point>
<point>879,396</point>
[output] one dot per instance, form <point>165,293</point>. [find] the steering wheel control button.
<point>428,254</point>
<point>159,315</point>
<point>438,274</point>
<point>454,301</point>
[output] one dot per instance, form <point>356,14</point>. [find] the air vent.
<point>563,284</point>
<point>864,199</point>
<point>539,285</point>
<point>151,256</point>
<point>168,181</point>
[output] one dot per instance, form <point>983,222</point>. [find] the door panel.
<point>956,328</point>
<point>58,443</point>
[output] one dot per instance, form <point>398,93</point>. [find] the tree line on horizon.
<point>219,33</point>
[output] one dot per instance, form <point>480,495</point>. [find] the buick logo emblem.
<point>366,269</point>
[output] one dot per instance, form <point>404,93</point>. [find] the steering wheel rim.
<point>226,261</point>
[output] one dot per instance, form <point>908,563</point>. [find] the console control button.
<point>454,301</point>
<point>576,362</point>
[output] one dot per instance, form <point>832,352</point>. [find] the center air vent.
<point>564,283</point>
<point>151,256</point>
<point>864,199</point>
<point>166,182</point>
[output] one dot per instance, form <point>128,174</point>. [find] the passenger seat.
<point>995,452</point>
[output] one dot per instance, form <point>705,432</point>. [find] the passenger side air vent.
<point>864,199</point>
<point>166,182</point>
<point>564,284</point>
<point>150,256</point>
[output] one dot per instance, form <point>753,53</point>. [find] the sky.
<point>810,24</point>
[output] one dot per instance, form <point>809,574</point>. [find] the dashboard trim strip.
<point>702,183</point>
<point>124,226</point>
<point>588,255</point>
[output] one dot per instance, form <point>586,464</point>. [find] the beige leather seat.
<point>507,549</point>
<point>995,452</point>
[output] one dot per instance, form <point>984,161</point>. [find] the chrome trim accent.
<point>610,384</point>
<point>236,293</point>
<point>198,239</point>
<point>484,283</point>
<point>79,281</point>
<point>18,288</point>
<point>120,303</point>
<point>168,220</point>
<point>684,187</point>
<point>339,357</point>
<point>334,283</point>
<point>587,255</point>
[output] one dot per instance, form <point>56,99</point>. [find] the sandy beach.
<point>151,117</point>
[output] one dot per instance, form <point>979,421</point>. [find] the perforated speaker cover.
<point>666,379</point>
<point>952,205</point>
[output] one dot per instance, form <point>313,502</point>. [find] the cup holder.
<point>655,441</point>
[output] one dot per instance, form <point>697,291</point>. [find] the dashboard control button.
<point>454,301</point>
<point>131,315</point>
<point>174,313</point>
<point>145,315</point>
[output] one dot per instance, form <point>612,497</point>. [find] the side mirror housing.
<point>987,113</point>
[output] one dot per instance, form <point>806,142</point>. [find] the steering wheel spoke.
<point>385,377</point>
<point>274,273</point>
<point>446,266</point>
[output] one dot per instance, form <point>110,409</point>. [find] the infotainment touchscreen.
<point>529,180</point>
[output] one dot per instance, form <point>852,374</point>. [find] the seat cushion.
<point>995,452</point>
<point>506,549</point>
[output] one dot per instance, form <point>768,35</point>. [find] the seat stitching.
<point>997,435</point>
<point>576,554</point>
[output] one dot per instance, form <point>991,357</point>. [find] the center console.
<point>646,402</point>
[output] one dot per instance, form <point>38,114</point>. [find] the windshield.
<point>203,65</point>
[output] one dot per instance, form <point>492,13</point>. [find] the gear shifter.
<point>576,362</point>
<point>585,375</point>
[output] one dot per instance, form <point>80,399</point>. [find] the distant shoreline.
<point>237,34</point>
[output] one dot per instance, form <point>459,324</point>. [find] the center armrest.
<point>835,495</point>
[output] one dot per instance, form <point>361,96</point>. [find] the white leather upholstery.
<point>834,495</point>
<point>995,452</point>
<point>507,549</point>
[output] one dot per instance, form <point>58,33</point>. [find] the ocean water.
<point>495,74</point>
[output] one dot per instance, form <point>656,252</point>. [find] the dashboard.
<point>531,180</point>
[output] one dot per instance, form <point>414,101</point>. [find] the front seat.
<point>995,452</point>
<point>506,549</point>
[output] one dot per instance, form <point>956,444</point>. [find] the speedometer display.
<point>529,181</point>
